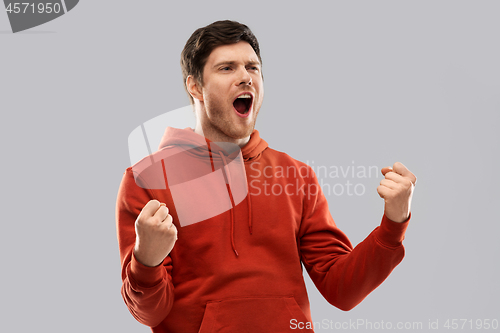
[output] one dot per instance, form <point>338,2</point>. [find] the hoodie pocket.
<point>253,314</point>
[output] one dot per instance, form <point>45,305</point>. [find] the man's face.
<point>232,91</point>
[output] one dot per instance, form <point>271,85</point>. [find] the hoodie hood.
<point>196,143</point>
<point>211,173</point>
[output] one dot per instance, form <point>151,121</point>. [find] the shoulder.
<point>283,163</point>
<point>284,158</point>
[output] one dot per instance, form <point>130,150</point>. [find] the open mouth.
<point>243,103</point>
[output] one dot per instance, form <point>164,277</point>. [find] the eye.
<point>225,68</point>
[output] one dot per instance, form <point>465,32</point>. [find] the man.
<point>227,258</point>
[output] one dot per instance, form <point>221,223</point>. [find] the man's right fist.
<point>155,234</point>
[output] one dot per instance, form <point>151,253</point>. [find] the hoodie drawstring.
<point>249,205</point>
<point>226,176</point>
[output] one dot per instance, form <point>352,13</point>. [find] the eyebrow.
<point>253,62</point>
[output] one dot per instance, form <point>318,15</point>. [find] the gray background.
<point>372,82</point>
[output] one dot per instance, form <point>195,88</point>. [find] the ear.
<point>194,88</point>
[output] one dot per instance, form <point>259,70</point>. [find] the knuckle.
<point>173,230</point>
<point>162,210</point>
<point>141,220</point>
<point>407,183</point>
<point>166,223</point>
<point>153,202</point>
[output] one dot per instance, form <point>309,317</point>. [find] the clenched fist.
<point>155,234</point>
<point>396,190</point>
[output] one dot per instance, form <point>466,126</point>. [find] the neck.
<point>217,136</point>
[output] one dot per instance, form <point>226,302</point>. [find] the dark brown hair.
<point>204,40</point>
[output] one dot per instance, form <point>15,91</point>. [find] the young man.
<point>198,256</point>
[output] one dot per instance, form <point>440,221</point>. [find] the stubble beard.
<point>219,122</point>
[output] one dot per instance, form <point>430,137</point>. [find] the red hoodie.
<point>236,266</point>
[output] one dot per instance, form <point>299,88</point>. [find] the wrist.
<point>392,233</point>
<point>144,259</point>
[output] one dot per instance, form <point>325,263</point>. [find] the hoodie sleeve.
<point>148,292</point>
<point>345,275</point>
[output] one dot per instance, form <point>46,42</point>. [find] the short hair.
<point>204,40</point>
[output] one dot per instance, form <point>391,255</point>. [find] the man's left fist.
<point>396,190</point>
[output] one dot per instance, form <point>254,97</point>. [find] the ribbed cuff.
<point>392,233</point>
<point>146,276</point>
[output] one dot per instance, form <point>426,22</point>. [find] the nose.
<point>245,77</point>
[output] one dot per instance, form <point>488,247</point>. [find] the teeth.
<point>245,96</point>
